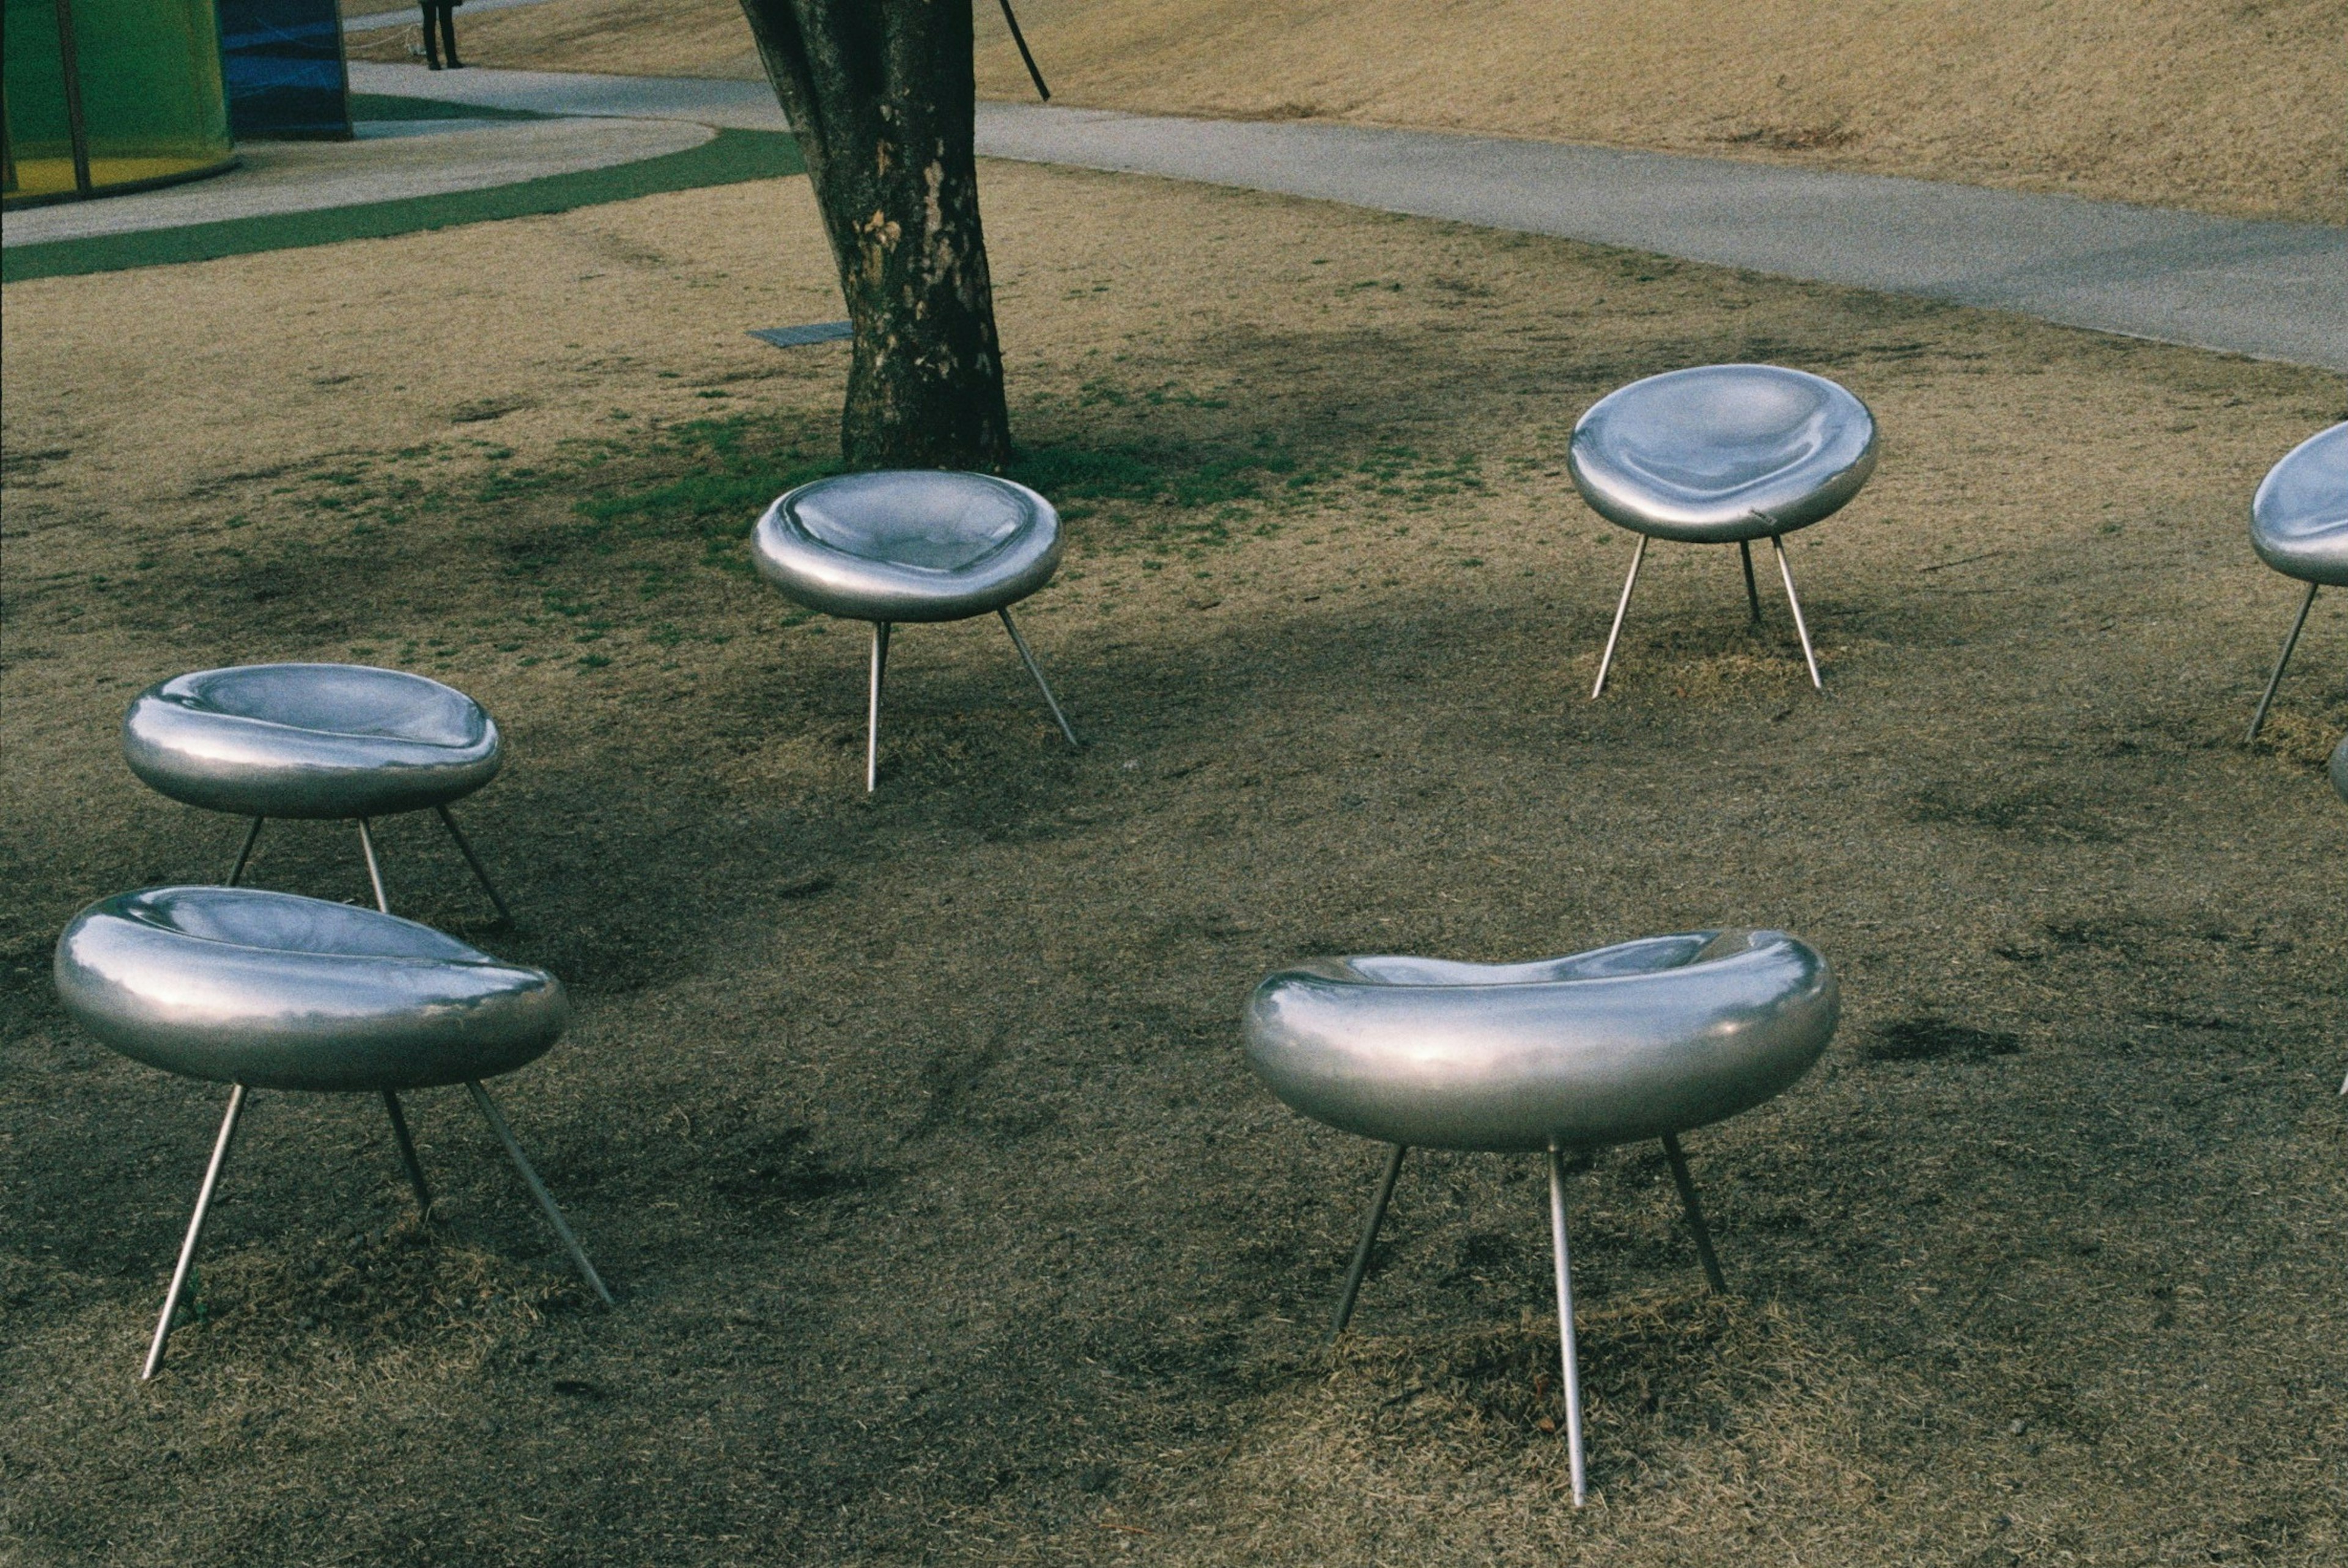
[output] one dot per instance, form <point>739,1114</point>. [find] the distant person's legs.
<point>444,13</point>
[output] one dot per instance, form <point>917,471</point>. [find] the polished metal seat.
<point>1641,1039</point>
<point>1719,455</point>
<point>2299,525</point>
<point>272,991</point>
<point>334,741</point>
<point>911,545</point>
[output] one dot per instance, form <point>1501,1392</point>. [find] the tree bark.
<point>882,96</point>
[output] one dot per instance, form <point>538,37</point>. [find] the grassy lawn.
<point>912,1132</point>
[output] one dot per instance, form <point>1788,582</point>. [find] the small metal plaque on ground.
<point>792,337</point>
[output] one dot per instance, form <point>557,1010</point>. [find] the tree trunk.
<point>882,96</point>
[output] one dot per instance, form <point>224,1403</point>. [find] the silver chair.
<point>2299,525</point>
<point>911,545</point>
<point>271,990</point>
<point>1641,1039</point>
<point>2340,769</point>
<point>1719,455</point>
<point>323,742</point>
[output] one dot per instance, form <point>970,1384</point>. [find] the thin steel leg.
<point>872,714</point>
<point>480,873</point>
<point>252,838</point>
<point>1696,1227</point>
<point>1786,569</point>
<point>1752,590</point>
<point>407,1156</point>
<point>2259,719</point>
<point>538,1190</point>
<point>1621,610</point>
<point>195,1229</point>
<point>1034,669</point>
<point>375,872</point>
<point>1369,1239</point>
<point>1565,1318</point>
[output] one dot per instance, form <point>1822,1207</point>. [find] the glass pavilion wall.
<point>109,95</point>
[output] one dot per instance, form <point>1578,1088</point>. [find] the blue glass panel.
<point>283,59</point>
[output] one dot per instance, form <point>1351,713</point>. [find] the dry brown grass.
<point>2233,107</point>
<point>948,1226</point>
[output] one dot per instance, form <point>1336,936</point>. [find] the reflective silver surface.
<point>1623,1043</point>
<point>275,990</point>
<point>321,740</point>
<point>2339,768</point>
<point>1723,452</point>
<point>2299,517</point>
<point>908,544</point>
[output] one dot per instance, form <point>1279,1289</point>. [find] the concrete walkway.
<point>390,161</point>
<point>2276,290</point>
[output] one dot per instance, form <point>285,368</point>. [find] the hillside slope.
<point>2232,106</point>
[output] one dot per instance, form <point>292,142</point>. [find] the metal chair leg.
<point>407,1157</point>
<point>1696,1227</point>
<point>1752,590</point>
<point>1565,1319</point>
<point>1786,569</point>
<point>2259,719</point>
<point>374,871</point>
<point>195,1229</point>
<point>1606,661</point>
<point>538,1190</point>
<point>480,873</point>
<point>872,714</point>
<point>1369,1239</point>
<point>1033,669</point>
<point>244,855</point>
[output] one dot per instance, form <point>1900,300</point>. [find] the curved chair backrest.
<point>1621,1043</point>
<point>2299,516</point>
<point>275,990</point>
<point>1724,451</point>
<point>908,544</point>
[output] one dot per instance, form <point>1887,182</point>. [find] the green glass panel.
<point>40,139</point>
<point>151,100</point>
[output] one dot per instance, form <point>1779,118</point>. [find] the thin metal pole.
<point>375,872</point>
<point>1786,569</point>
<point>252,838</point>
<point>872,714</point>
<point>1752,590</point>
<point>480,873</point>
<point>538,1190</point>
<point>1369,1239</point>
<point>1021,40</point>
<point>1703,1233</point>
<point>69,68</point>
<point>1621,610</point>
<point>195,1229</point>
<point>1565,1318</point>
<point>2259,719</point>
<point>1033,669</point>
<point>407,1156</point>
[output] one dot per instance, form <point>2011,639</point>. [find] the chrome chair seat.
<point>320,742</point>
<point>1641,1039</point>
<point>911,545</point>
<point>1722,454</point>
<point>272,991</point>
<point>2299,525</point>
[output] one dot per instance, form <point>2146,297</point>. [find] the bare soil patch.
<point>2235,109</point>
<point>913,1132</point>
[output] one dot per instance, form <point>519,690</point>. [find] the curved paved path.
<point>391,161</point>
<point>2277,291</point>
